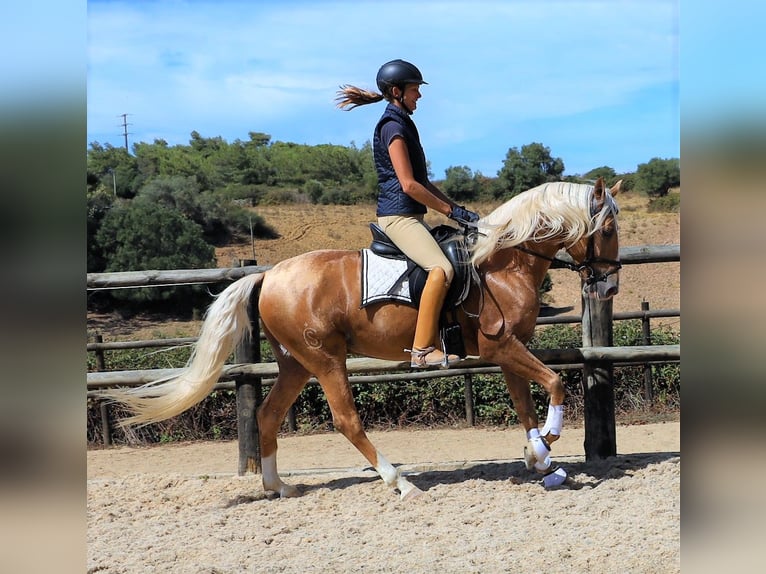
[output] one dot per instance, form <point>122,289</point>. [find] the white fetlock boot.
<point>537,456</point>
<point>393,478</point>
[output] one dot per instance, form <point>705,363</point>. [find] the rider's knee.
<point>445,274</point>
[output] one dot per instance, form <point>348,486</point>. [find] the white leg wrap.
<point>555,478</point>
<point>392,478</point>
<point>271,480</point>
<point>387,471</point>
<point>537,456</point>
<point>554,422</point>
<point>540,450</point>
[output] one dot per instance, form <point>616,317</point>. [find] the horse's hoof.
<point>555,478</point>
<point>289,491</point>
<point>529,458</point>
<point>410,493</point>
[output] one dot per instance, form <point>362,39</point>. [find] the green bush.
<point>658,176</point>
<point>141,235</point>
<point>283,196</point>
<point>139,359</point>
<point>670,203</point>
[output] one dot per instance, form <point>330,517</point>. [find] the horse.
<point>310,312</point>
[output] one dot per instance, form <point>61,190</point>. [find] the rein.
<point>586,265</point>
<point>590,259</point>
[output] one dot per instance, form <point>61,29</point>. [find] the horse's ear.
<point>615,189</point>
<point>598,190</point>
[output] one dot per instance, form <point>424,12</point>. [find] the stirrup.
<point>419,358</point>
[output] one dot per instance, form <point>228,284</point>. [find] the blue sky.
<point>595,81</point>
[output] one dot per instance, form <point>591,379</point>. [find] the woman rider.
<point>405,194</point>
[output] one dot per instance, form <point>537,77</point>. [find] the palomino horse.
<point>311,314</point>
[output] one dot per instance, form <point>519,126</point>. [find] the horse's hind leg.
<point>334,382</point>
<point>290,381</point>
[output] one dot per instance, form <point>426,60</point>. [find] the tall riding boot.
<point>426,351</point>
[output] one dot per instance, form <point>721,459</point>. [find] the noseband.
<point>594,277</point>
<point>586,265</point>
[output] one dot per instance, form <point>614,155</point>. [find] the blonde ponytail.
<point>350,97</point>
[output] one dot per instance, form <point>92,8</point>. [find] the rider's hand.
<point>460,213</point>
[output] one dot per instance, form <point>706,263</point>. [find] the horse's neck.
<point>513,259</point>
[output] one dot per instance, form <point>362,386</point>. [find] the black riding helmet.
<point>398,73</point>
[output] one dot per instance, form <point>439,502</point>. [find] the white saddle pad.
<point>383,279</point>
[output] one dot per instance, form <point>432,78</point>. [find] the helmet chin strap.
<point>400,99</point>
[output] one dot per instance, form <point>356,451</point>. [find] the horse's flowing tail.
<point>226,323</point>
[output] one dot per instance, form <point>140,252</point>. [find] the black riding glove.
<point>463,215</point>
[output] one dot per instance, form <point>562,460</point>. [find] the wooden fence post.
<point>646,339</point>
<point>292,424</point>
<point>106,428</point>
<point>249,393</point>
<point>100,361</point>
<point>598,384</point>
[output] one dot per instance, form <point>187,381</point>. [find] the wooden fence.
<point>596,357</point>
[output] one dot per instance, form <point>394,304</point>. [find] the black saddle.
<point>453,245</point>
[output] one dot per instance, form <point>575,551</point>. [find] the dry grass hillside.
<point>304,227</point>
<point>308,227</point>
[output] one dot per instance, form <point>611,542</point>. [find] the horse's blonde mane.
<point>557,209</point>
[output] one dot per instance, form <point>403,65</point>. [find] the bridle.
<point>587,264</point>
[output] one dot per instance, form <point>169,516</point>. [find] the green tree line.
<point>165,206</point>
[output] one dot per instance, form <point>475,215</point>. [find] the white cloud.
<point>489,64</point>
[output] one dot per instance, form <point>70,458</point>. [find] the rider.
<point>405,193</point>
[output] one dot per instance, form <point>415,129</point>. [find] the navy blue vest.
<point>391,199</point>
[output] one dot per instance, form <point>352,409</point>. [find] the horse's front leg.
<point>519,363</point>
<point>525,367</point>
<point>537,452</point>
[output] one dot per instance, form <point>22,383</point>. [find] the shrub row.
<point>391,405</point>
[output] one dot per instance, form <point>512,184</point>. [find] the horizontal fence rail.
<point>164,278</point>
<point>160,278</point>
<point>229,385</point>
<point>368,370</point>
<point>636,353</point>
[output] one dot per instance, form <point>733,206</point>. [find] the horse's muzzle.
<point>602,290</point>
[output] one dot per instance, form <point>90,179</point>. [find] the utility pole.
<point>125,125</point>
<point>114,180</point>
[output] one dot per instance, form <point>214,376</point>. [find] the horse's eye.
<point>608,231</point>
